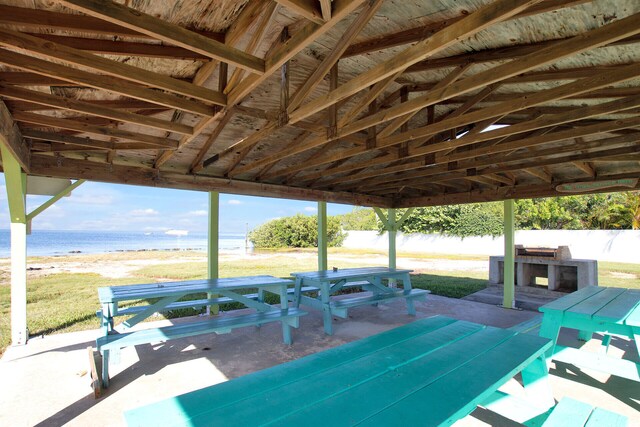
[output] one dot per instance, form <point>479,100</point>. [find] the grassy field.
<point>67,302</point>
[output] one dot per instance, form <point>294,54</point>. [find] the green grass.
<point>67,302</point>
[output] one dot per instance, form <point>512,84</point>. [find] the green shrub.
<point>359,219</point>
<point>299,231</point>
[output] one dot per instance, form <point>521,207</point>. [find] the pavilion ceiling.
<point>370,102</point>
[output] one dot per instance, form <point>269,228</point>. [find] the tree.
<point>299,231</point>
<point>359,219</point>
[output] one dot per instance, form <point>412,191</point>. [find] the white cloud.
<point>143,212</point>
<point>200,212</point>
<point>311,209</point>
<point>91,199</point>
<point>234,202</point>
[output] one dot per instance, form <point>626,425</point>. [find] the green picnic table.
<point>170,296</point>
<point>603,310</point>
<point>431,372</point>
<point>328,282</point>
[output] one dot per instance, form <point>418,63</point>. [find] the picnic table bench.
<point>328,282</point>
<point>168,295</point>
<point>609,311</point>
<point>431,372</point>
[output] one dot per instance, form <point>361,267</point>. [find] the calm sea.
<point>41,243</point>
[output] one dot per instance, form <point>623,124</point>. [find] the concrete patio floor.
<point>46,383</point>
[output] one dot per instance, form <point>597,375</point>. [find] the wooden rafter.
<point>310,9</point>
<point>483,18</point>
<point>91,129</point>
<point>11,138</point>
<point>58,142</point>
<point>92,109</point>
<point>162,30</point>
<point>49,166</point>
<point>106,66</point>
<point>543,173</point>
<point>558,50</point>
<point>110,84</point>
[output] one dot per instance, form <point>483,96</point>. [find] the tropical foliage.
<point>299,231</point>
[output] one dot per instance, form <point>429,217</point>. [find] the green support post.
<point>16,185</point>
<point>509,252</point>
<point>213,245</point>
<point>322,236</point>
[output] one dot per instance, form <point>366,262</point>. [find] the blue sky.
<point>98,206</point>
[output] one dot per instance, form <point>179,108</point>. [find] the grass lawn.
<point>67,302</point>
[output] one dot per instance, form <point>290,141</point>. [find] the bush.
<point>359,219</point>
<point>299,231</point>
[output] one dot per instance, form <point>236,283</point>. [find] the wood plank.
<point>67,142</point>
<point>318,74</point>
<point>292,47</point>
<point>417,34</point>
<point>590,306</point>
<point>165,31</point>
<point>620,308</point>
<point>325,7</point>
<point>502,193</point>
<point>262,382</point>
<point>196,164</point>
<point>586,167</point>
<point>118,174</point>
<point>92,129</point>
<point>482,18</point>
<point>92,109</point>
<point>306,8</point>
<point>49,49</point>
<point>122,48</point>
<point>38,19</point>
<point>542,173</point>
<point>110,84</point>
<point>11,138</point>
<point>30,79</point>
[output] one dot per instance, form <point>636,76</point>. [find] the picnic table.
<point>431,372</point>
<point>327,282</point>
<point>218,291</point>
<point>603,310</point>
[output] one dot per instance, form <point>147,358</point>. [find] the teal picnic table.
<point>171,295</point>
<point>328,282</point>
<point>431,372</point>
<point>603,310</point>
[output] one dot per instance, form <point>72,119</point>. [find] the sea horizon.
<point>70,242</point>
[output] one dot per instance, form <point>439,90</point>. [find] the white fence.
<point>602,245</point>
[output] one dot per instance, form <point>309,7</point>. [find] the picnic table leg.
<point>284,304</point>
<point>105,368</point>
<point>550,328</point>
<point>406,285</point>
<point>535,379</point>
<point>585,335</point>
<point>108,311</point>
<point>325,297</point>
<point>297,292</point>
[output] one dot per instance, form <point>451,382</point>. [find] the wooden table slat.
<point>478,379</point>
<point>264,382</point>
<point>620,308</point>
<point>348,273</point>
<point>568,301</point>
<point>589,306</point>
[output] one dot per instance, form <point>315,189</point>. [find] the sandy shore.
<point>123,264</point>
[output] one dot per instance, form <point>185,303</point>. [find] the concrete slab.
<point>526,297</point>
<point>46,382</point>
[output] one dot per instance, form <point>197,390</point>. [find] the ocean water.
<point>47,243</point>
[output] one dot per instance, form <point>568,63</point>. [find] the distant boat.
<point>177,232</point>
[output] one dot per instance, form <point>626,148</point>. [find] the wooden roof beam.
<point>11,138</point>
<point>110,84</point>
<point>542,173</point>
<point>92,109</point>
<point>580,43</point>
<point>502,193</point>
<point>586,167</point>
<point>477,21</point>
<point>48,49</point>
<point>77,126</point>
<point>141,22</point>
<point>309,9</point>
<point>308,34</point>
<point>47,165</point>
<point>417,34</point>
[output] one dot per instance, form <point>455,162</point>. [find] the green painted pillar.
<point>322,236</point>
<point>392,233</point>
<point>213,244</point>
<point>16,185</point>
<point>509,252</point>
